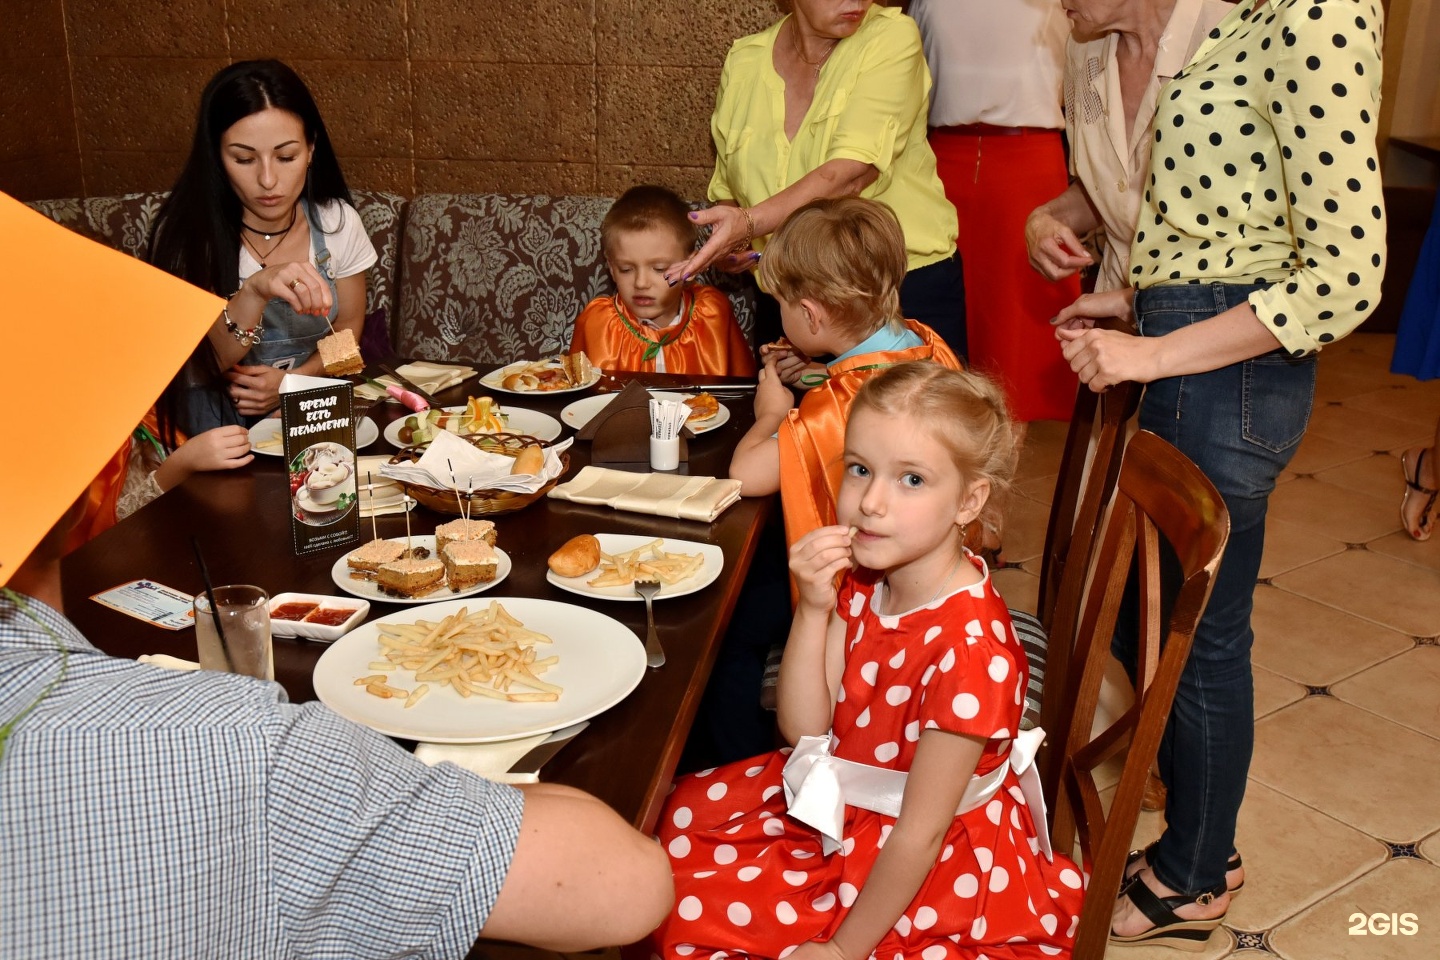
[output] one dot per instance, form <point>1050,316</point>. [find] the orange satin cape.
<point>103,494</point>
<point>812,437</point>
<point>706,341</point>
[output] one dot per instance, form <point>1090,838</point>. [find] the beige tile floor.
<point>1342,814</point>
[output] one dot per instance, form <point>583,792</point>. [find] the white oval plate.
<point>582,411</point>
<point>531,423</point>
<point>370,590</point>
<point>494,378</point>
<point>601,661</point>
<point>268,429</point>
<point>621,542</point>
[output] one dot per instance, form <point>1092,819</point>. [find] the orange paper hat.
<point>89,337</point>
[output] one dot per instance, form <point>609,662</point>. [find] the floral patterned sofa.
<point>484,278</point>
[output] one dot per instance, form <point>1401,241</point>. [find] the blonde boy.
<point>648,325</point>
<point>836,267</point>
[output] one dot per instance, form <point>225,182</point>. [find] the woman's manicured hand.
<point>728,227</point>
<point>1091,307</point>
<point>298,284</point>
<point>255,390</point>
<point>1055,251</point>
<point>1103,358</point>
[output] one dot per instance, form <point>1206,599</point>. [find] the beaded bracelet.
<point>246,338</point>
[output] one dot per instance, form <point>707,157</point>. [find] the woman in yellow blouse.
<point>1261,239</point>
<point>831,101</point>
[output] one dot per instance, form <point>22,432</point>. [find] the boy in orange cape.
<point>648,325</point>
<point>836,267</point>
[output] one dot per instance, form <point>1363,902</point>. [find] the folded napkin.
<point>658,494</point>
<point>167,661</point>
<point>450,463</point>
<point>430,377</point>
<point>491,760</point>
<point>379,495</point>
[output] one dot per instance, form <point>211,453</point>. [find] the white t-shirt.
<point>351,251</point>
<point>994,61</point>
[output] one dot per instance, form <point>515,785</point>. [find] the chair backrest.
<point>1083,488</point>
<point>1160,494</point>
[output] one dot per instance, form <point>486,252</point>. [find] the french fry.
<point>486,653</point>
<point>646,561</point>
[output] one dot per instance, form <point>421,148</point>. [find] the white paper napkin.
<point>491,760</point>
<point>167,661</point>
<point>430,377</point>
<point>450,463</point>
<point>658,494</point>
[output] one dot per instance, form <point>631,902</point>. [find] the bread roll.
<point>579,556</point>
<point>531,460</point>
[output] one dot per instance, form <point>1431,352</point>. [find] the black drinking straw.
<point>214,607</point>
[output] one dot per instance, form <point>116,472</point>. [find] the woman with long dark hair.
<point>260,215</point>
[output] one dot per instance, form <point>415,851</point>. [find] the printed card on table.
<point>318,428</point>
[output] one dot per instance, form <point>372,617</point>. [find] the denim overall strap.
<point>290,337</point>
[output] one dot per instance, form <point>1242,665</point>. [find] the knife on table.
<point>532,761</point>
<point>409,385</point>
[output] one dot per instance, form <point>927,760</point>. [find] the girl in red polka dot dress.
<point>898,826</point>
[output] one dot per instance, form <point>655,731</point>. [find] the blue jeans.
<point>1240,425</point>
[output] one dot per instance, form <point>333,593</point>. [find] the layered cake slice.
<point>364,562</point>
<point>469,562</point>
<point>464,531</point>
<point>410,577</point>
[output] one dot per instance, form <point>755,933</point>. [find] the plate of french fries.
<point>681,566</point>
<point>478,671</point>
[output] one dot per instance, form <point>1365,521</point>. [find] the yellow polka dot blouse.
<point>1264,168</point>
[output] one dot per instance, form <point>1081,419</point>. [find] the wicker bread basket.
<point>480,502</point>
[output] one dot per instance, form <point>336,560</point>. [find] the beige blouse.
<point>1109,161</point>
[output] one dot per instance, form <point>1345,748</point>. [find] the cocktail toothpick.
<point>455,485</point>
<point>405,502</point>
<point>469,500</point>
<point>370,482</point>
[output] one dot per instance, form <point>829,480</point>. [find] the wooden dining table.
<point>627,756</point>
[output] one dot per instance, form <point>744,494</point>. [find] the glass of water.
<point>245,623</point>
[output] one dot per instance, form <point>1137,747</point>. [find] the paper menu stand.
<point>619,434</point>
<point>318,428</point>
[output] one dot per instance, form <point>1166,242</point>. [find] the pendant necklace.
<point>278,236</point>
<point>800,51</point>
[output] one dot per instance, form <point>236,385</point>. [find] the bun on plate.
<point>577,557</point>
<point>521,381</point>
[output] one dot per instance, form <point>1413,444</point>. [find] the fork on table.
<point>654,656</point>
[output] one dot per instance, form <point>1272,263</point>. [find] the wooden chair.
<point>1160,493</point>
<point>1070,537</point>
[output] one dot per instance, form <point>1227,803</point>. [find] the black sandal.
<point>1415,486</point>
<point>1234,863</point>
<point>1169,930</point>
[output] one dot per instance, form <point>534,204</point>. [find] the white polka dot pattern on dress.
<point>925,918</point>
<point>690,908</point>
<point>977,928</point>
<point>785,913</point>
<point>684,949</point>
<point>725,854</point>
<point>848,893</point>
<point>869,671</point>
<point>897,695</point>
<point>1070,878</point>
<point>864,719</point>
<point>947,662</point>
<point>999,879</point>
<point>912,731</point>
<point>746,874</point>
<point>902,926</point>
<point>824,902</point>
<point>984,857</point>
<point>796,878</point>
<point>679,848</point>
<point>738,914</point>
<point>966,886</point>
<point>774,827</point>
<point>933,952</point>
<point>966,706</point>
<point>999,668</point>
<point>931,634</point>
<point>682,817</point>
<point>717,790</point>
